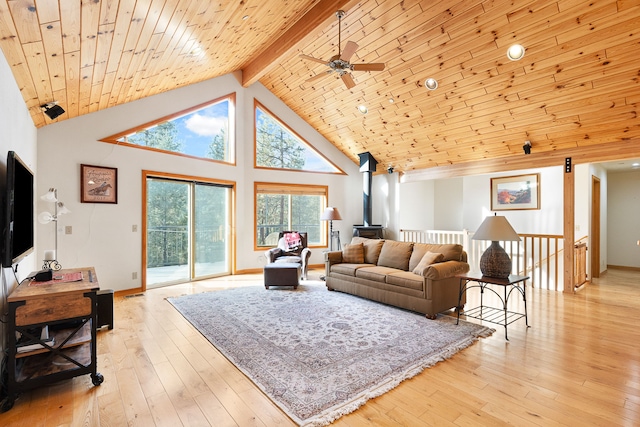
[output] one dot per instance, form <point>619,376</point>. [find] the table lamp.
<point>330,214</point>
<point>495,261</point>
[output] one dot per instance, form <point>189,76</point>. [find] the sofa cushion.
<point>372,248</point>
<point>374,273</point>
<point>395,254</point>
<point>353,254</point>
<point>348,269</point>
<point>428,259</point>
<point>451,252</point>
<point>406,279</point>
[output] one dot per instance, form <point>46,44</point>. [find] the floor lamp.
<point>50,257</point>
<point>330,214</point>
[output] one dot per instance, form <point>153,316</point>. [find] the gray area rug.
<point>319,354</point>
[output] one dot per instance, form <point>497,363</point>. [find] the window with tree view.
<point>277,146</point>
<point>204,131</point>
<point>293,207</point>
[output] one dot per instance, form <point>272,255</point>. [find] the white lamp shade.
<point>45,218</point>
<point>50,196</point>
<point>331,214</point>
<point>497,229</point>
<point>62,209</point>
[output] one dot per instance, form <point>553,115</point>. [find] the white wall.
<point>448,206</point>
<point>102,233</point>
<point>17,133</point>
<point>463,203</point>
<point>546,220</point>
<point>623,224</point>
<point>417,205</point>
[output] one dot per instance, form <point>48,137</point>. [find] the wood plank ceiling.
<point>577,86</point>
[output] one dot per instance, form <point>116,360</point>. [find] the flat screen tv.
<point>18,213</point>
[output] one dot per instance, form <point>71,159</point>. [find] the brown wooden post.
<point>569,226</point>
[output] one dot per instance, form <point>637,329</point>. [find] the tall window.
<point>289,207</point>
<point>279,147</point>
<point>205,131</point>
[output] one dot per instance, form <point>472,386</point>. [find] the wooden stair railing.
<point>538,256</point>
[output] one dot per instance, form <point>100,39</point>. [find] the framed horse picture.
<point>98,184</point>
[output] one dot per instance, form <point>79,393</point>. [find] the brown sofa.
<point>414,276</point>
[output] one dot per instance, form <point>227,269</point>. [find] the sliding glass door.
<point>188,229</point>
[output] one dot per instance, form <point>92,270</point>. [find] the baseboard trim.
<point>623,267</point>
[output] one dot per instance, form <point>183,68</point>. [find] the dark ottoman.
<point>282,274</point>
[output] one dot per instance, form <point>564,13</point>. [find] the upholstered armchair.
<point>292,248</point>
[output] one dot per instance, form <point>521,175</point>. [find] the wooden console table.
<point>68,310</point>
<point>500,316</point>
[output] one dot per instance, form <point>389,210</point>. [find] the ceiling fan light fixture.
<point>431,83</point>
<point>363,109</point>
<point>515,52</point>
<point>340,63</point>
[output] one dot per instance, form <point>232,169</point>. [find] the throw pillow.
<point>292,241</point>
<point>353,254</point>
<point>428,259</point>
<point>395,255</point>
<point>372,248</point>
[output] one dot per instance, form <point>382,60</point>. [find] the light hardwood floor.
<point>578,364</point>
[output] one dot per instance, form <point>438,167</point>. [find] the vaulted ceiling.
<point>577,87</point>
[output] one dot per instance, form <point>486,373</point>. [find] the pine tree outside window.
<point>279,147</point>
<point>206,131</point>
<point>294,207</point>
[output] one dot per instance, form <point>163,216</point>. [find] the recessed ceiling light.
<point>245,17</point>
<point>431,84</point>
<point>390,100</point>
<point>515,52</point>
<point>363,109</point>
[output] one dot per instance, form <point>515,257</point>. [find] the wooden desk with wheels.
<point>68,310</point>
<point>501,316</point>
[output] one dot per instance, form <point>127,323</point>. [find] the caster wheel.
<point>6,405</point>
<point>97,379</point>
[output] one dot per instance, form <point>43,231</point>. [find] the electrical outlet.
<point>68,229</point>
<point>134,228</point>
<point>134,275</point>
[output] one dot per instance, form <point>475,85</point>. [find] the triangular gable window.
<point>205,131</point>
<point>279,147</point>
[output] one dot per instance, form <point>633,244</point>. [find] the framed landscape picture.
<point>519,192</point>
<point>98,184</point>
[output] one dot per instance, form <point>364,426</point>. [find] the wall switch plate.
<point>134,228</point>
<point>68,229</point>
<point>134,275</point>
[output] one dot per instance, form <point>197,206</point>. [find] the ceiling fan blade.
<point>374,66</point>
<point>317,76</point>
<point>348,80</point>
<point>311,58</point>
<point>349,49</point>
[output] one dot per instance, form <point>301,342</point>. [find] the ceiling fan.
<point>340,63</point>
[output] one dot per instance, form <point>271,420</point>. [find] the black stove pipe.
<point>367,167</point>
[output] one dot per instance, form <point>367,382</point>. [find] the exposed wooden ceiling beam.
<point>579,155</point>
<point>304,27</point>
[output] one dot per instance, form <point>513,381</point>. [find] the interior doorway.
<point>595,227</point>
